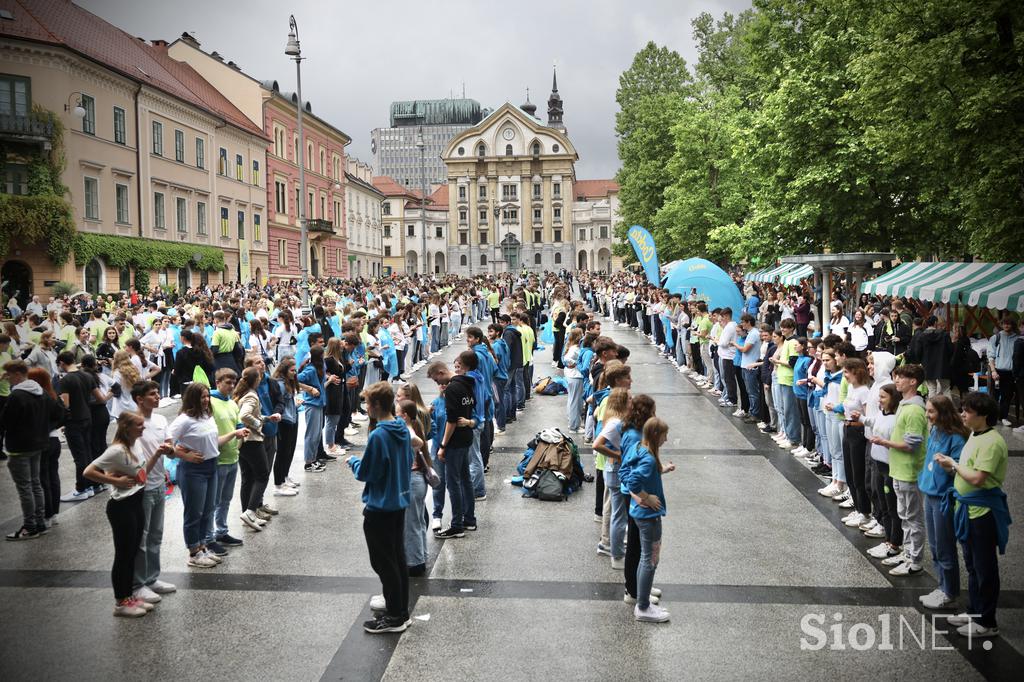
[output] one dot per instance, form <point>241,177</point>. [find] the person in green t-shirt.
<point>982,468</point>
<point>225,414</point>
<point>494,304</point>
<point>907,445</point>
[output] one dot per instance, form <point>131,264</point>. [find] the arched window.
<point>481,151</point>
<point>558,259</point>
<point>124,282</point>
<point>536,259</point>
<point>508,150</point>
<point>463,261</point>
<point>536,148</point>
<point>93,277</point>
<point>483,259</point>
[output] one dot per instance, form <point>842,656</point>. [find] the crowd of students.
<point>908,470</point>
<point>911,457</point>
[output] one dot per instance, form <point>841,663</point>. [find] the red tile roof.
<point>392,188</point>
<point>62,23</point>
<point>593,189</point>
<point>440,198</point>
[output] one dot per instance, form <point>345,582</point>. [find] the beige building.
<point>426,242</point>
<point>153,152</point>
<point>365,236</point>
<point>510,190</point>
<point>595,212</point>
<point>396,225</point>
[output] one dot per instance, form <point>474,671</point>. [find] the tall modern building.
<point>395,149</point>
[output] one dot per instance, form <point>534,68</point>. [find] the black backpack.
<point>973,361</point>
<point>549,487</point>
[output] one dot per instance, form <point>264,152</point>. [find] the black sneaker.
<point>229,541</point>
<point>450,532</point>
<point>327,458</point>
<point>217,548</point>
<point>314,468</point>
<point>23,534</point>
<point>383,624</point>
<point>417,571</point>
<point>345,444</point>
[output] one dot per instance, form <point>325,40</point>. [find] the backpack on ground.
<point>549,486</point>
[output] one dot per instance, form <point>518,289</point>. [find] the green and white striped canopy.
<point>771,274</point>
<point>990,285</point>
<point>793,277</point>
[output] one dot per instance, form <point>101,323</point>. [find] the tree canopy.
<point>847,125</point>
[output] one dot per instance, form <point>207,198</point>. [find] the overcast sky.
<point>360,56</point>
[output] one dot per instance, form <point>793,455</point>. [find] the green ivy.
<point>145,254</point>
<point>142,281</point>
<point>37,220</point>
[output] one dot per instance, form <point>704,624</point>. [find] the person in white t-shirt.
<point>726,356</point>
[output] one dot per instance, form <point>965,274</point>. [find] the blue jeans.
<point>752,381</point>
<point>147,561</point>
<point>500,413</point>
<point>512,393</point>
<point>460,489</point>
<point>331,428</point>
<point>438,493</point>
<point>435,339</point>
<point>620,510</point>
<point>819,418</point>
<point>198,485</point>
<point>416,521</point>
<point>790,417</point>
<point>942,541</point>
<point>574,408</point>
<point>476,463</point>
<point>650,551</point>
<point>226,475</point>
<point>521,388</point>
<point>314,431</point>
<point>834,433</point>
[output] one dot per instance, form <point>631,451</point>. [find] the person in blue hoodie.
<point>647,506</point>
<point>500,349</point>
<point>471,365</point>
<point>438,417</point>
<point>385,470</point>
<point>312,376</point>
<point>487,365</point>
<point>947,437</point>
<point>642,408</point>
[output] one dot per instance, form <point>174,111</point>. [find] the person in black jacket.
<point>514,389</point>
<point>893,335</point>
<point>936,355</point>
<point>26,420</point>
<point>454,447</point>
<point>194,353</point>
<point>49,475</point>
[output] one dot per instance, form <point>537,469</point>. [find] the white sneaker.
<point>351,431</point>
<point>200,560</point>
<point>1006,422</point>
<point>147,595</point>
<point>285,491</point>
<point>378,603</point>
<point>213,557</point>
<point>936,599</point>
<point>975,629</point>
<point>1019,429</point>
<point>762,425</point>
<point>739,412</point>
<point>846,518</point>
<point>843,494</point>
<point>618,564</point>
<point>289,482</point>
<point>652,614</point>
<point>894,560</point>
<point>879,551</point>
<point>632,600</point>
<point>847,504</point>
<point>958,620</point>
<point>130,608</point>
<point>829,490</point>
<point>800,451</point>
<point>249,519</point>
<point>75,496</point>
<point>867,524</point>
<point>854,520</point>
<point>877,532</point>
<point>906,568</point>
<point>161,587</point>
<point>435,524</point>
<point>359,417</point>
<point>785,444</point>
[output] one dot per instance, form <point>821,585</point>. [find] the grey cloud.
<point>360,56</point>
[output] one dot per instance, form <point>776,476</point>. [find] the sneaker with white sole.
<point>629,599</point>
<point>619,564</point>
<point>854,520</point>
<point>652,614</point>
<point>200,560</point>
<point>162,587</point>
<point>378,603</point>
<point>829,490</point>
<point>285,491</point>
<point>867,524</point>
<point>878,531</point>
<point>937,599</point>
<point>958,620</point>
<point>289,482</point>
<point>906,568</point>
<point>147,595</point>
<point>848,503</point>
<point>785,444</point>
<point>213,557</point>
<point>351,431</point>
<point>881,551</point>
<point>435,524</point>
<point>895,559</point>
<point>75,496</point>
<point>359,417</point>
<point>843,494</point>
<point>975,629</point>
<point>250,519</point>
<point>762,425</point>
<point>129,608</point>
<point>603,550</point>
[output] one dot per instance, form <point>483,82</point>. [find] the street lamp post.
<point>294,51</point>
<point>422,145</point>
<point>497,231</point>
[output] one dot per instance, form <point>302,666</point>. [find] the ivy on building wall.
<point>37,220</point>
<point>145,254</point>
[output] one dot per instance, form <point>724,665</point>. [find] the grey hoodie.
<point>29,385</point>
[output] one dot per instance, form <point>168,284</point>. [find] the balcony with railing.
<point>320,226</point>
<point>31,129</point>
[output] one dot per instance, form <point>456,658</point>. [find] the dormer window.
<point>508,150</point>
<point>481,151</point>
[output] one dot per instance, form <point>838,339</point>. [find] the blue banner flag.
<point>646,253</point>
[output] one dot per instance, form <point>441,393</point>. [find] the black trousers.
<point>487,441</point>
<point>78,435</point>
<point>556,353</point>
<point>854,454</point>
<point>632,551</point>
<point>698,364</point>
<point>3,403</point>
<point>1007,391</point>
<point>885,504</point>
<point>385,542</point>
<point>729,377</point>
<point>982,569</point>
<point>599,493</point>
<point>252,460</point>
<point>126,523</point>
<point>49,476</point>
<point>100,419</point>
<point>287,433</point>
<point>807,431</point>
